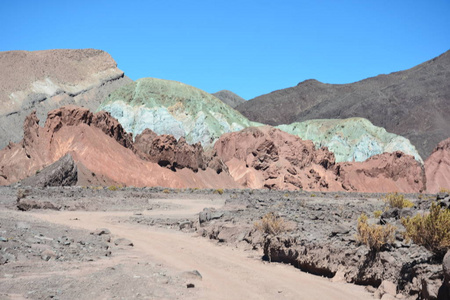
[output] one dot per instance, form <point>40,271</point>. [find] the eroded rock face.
<point>387,172</point>
<point>102,151</point>
<point>260,157</point>
<point>437,168</point>
<point>229,98</point>
<point>45,80</point>
<point>167,151</point>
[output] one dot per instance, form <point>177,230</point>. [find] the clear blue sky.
<point>249,47</point>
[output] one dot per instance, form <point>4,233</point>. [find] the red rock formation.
<point>166,151</point>
<point>100,147</point>
<point>387,172</point>
<point>260,157</point>
<point>437,168</point>
<point>267,157</point>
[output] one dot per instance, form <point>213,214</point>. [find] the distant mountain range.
<point>414,103</point>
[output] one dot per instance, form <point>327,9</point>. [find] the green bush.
<point>431,230</point>
<point>219,191</point>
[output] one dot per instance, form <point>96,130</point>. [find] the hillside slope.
<point>45,80</point>
<point>170,107</point>
<point>414,103</point>
<point>229,98</point>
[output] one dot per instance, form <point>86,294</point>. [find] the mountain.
<point>414,103</point>
<point>353,139</point>
<point>229,98</point>
<point>103,154</point>
<point>45,80</point>
<point>170,107</point>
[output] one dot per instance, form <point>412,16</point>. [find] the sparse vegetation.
<point>396,200</point>
<point>374,236</point>
<point>312,195</point>
<point>377,213</point>
<point>431,230</point>
<point>166,191</point>
<point>21,194</point>
<point>219,191</point>
<point>271,224</point>
<point>112,188</point>
<point>444,190</point>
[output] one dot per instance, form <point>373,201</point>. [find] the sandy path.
<point>228,273</point>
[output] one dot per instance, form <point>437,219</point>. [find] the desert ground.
<point>70,251</point>
<point>154,243</point>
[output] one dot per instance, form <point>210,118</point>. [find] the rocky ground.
<point>133,243</point>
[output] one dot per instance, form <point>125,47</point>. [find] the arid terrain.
<point>154,243</point>
<point>154,189</point>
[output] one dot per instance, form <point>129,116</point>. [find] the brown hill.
<point>437,168</point>
<point>230,98</point>
<point>45,80</point>
<point>102,151</point>
<point>414,103</point>
<point>259,157</point>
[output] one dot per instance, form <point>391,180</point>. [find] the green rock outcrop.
<point>353,139</point>
<point>170,107</point>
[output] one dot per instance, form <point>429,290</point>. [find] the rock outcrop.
<point>170,107</point>
<point>102,151</point>
<point>411,103</point>
<point>437,168</point>
<point>353,139</point>
<point>383,173</point>
<point>46,80</point>
<point>61,173</point>
<point>167,151</point>
<point>229,98</point>
<point>259,157</point>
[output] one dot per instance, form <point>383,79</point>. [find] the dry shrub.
<point>431,230</point>
<point>112,188</point>
<point>444,190</point>
<point>271,224</point>
<point>374,236</point>
<point>396,200</point>
<point>219,191</point>
<point>166,191</point>
<point>377,213</point>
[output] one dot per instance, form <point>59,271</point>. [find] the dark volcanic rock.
<point>229,98</point>
<point>61,173</point>
<point>413,103</point>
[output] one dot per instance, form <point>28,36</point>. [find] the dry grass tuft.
<point>271,224</point>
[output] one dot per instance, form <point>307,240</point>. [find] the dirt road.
<point>228,273</point>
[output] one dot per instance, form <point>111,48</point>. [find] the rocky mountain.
<point>45,80</point>
<point>437,167</point>
<point>170,107</point>
<point>229,98</point>
<point>103,153</point>
<point>266,157</point>
<point>353,139</point>
<point>413,103</point>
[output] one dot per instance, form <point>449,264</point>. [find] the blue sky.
<point>248,47</point>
